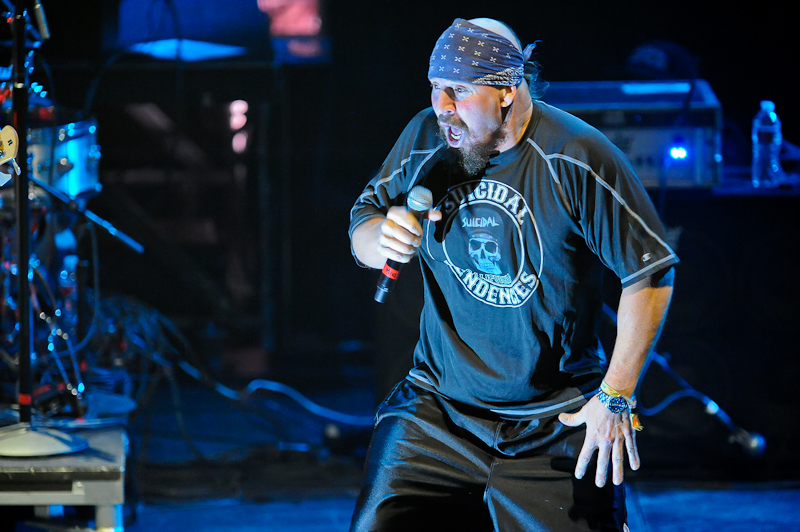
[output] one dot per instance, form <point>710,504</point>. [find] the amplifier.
<point>670,130</point>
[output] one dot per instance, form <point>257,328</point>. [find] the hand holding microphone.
<point>402,231</point>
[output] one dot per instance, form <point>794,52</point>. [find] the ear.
<point>507,95</point>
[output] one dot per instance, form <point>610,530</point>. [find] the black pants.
<point>432,466</point>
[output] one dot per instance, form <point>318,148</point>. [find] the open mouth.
<point>452,134</point>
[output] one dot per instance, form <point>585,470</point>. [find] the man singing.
<point>511,394</point>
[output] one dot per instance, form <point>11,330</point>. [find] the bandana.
<point>466,52</point>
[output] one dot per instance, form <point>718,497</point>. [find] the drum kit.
<point>61,158</point>
<point>42,371</point>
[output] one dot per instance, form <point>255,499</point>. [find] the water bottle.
<point>767,139</point>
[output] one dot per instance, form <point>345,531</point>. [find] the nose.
<point>444,103</point>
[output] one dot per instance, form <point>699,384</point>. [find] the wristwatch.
<point>616,404</point>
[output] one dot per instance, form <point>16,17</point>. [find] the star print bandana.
<point>469,53</point>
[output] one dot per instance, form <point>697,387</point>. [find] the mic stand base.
<point>26,440</point>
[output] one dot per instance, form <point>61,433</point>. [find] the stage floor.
<point>652,507</point>
<point>206,463</point>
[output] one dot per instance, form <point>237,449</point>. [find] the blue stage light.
<point>678,152</point>
<point>186,50</point>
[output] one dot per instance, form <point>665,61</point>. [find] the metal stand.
<point>24,439</point>
<point>27,440</point>
<point>89,215</point>
<point>752,442</point>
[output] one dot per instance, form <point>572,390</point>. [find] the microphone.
<point>419,202</point>
<point>753,443</point>
<point>41,20</point>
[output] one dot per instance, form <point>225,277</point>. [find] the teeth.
<point>455,137</point>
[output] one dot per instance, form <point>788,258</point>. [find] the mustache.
<point>452,121</point>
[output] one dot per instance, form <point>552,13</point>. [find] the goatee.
<point>473,159</point>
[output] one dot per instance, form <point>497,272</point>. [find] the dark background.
<point>324,128</point>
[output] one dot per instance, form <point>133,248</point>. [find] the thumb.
<point>572,420</point>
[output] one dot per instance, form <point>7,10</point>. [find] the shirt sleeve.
<point>401,170</point>
<point>615,214</point>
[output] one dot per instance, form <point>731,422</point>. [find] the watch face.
<point>617,404</point>
<point>614,404</point>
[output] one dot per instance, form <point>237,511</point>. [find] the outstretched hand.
<point>608,433</point>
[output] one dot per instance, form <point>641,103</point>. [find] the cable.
<point>176,404</point>
<point>93,328</point>
<point>671,399</point>
<point>753,443</point>
<point>142,335</point>
<point>262,384</point>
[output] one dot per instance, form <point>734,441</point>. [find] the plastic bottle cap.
<point>768,106</point>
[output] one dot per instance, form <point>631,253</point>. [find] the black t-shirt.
<point>513,271</point>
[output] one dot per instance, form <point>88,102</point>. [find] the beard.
<point>474,157</point>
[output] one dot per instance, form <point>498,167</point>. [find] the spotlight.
<point>238,114</point>
<point>678,152</point>
<point>239,142</point>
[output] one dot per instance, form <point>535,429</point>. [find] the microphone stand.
<point>753,443</point>
<point>25,438</point>
<point>89,215</point>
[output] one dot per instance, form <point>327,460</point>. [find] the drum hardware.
<point>26,438</point>
<point>67,157</point>
<point>92,217</point>
<point>51,332</point>
<point>62,167</point>
<point>62,163</point>
<point>55,332</point>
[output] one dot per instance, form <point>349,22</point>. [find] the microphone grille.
<point>419,199</point>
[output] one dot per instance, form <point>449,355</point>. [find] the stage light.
<point>239,142</point>
<point>186,50</point>
<point>237,120</point>
<point>678,152</point>
<point>238,114</point>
